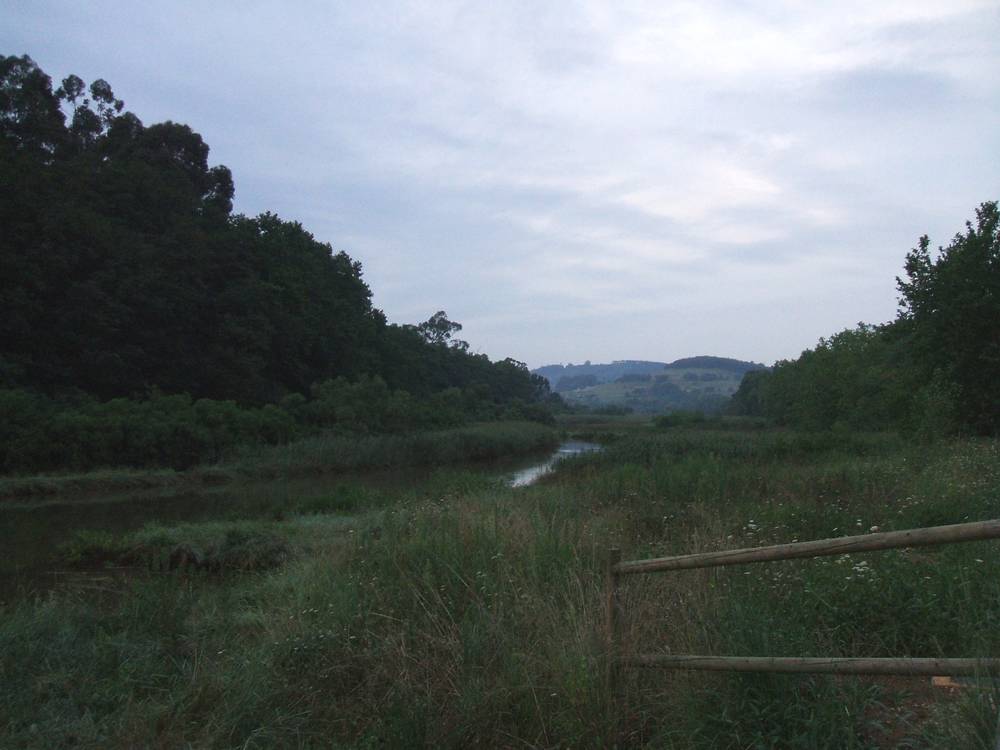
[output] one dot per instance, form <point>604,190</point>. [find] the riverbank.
<point>457,611</point>
<point>324,454</point>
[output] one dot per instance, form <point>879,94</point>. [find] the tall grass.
<point>332,453</point>
<point>460,612</point>
<point>322,454</point>
<point>691,492</point>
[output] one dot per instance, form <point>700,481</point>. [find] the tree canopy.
<point>951,304</point>
<point>126,270</point>
<point>935,368</point>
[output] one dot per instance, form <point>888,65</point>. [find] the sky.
<point>574,181</point>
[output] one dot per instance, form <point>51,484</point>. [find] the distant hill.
<point>604,373</point>
<point>716,363</point>
<point>702,382</point>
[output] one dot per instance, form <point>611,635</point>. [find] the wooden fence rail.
<point>815,665</point>
<point>962,532</point>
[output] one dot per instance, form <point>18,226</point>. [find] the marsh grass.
<point>331,453</point>
<point>459,612</point>
<point>318,455</point>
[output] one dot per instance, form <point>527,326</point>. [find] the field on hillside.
<point>457,611</point>
<point>678,388</point>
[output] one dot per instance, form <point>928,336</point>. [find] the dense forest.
<point>934,370</point>
<point>143,322</point>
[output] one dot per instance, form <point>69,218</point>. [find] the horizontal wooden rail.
<point>816,665</point>
<point>960,532</point>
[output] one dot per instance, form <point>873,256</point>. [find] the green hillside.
<point>703,383</point>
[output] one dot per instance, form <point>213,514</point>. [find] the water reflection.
<point>31,532</point>
<point>532,474</point>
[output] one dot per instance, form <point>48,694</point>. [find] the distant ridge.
<point>611,371</point>
<point>704,383</point>
<point>717,363</point>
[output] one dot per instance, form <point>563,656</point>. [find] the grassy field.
<point>459,612</point>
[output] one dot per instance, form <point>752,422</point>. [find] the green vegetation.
<point>458,611</point>
<point>209,546</point>
<point>602,373</point>
<point>144,324</point>
<point>933,371</point>
<point>679,419</point>
<point>694,383</point>
<point>39,433</point>
<point>151,334</point>
<point>326,453</point>
<point>330,454</point>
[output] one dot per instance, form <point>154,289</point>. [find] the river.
<point>531,474</point>
<point>33,530</point>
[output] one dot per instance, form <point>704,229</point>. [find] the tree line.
<point>126,275</point>
<point>935,369</point>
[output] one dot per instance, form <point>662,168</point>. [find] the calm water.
<point>531,474</point>
<point>30,533</point>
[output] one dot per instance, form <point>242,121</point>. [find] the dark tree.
<point>439,330</point>
<point>125,271</point>
<point>952,303</point>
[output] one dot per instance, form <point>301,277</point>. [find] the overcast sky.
<point>586,180</point>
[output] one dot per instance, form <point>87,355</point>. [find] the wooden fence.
<point>963,532</point>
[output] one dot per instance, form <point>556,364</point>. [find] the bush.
<point>679,418</point>
<point>80,433</point>
<point>40,434</point>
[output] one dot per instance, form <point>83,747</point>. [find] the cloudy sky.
<point>579,180</point>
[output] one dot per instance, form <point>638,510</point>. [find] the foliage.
<point>438,330</point>
<point>725,364</point>
<point>574,382</point>
<point>81,433</point>
<point>674,388</point>
<point>679,419</point>
<point>610,372</point>
<point>324,454</point>
<point>126,272</point>
<point>330,453</point>
<point>634,377</point>
<point>859,379</point>
<point>457,613</point>
<point>933,371</point>
<point>952,304</point>
<point>611,410</point>
<point>209,546</point>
